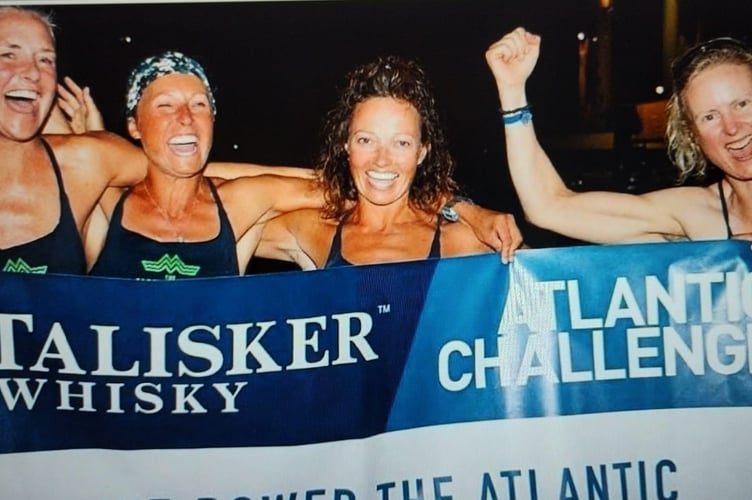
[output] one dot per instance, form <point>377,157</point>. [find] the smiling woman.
<point>178,223</point>
<point>49,185</point>
<point>386,169</point>
<point>385,133</point>
<point>710,123</point>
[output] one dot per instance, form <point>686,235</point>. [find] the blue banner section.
<point>265,360</point>
<point>585,330</point>
<point>299,358</point>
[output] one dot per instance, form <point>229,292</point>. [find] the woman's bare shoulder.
<point>697,209</point>
<point>691,194</point>
<point>459,239</point>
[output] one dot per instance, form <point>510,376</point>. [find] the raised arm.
<point>600,217</point>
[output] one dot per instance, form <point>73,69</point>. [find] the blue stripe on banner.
<point>465,300</point>
<point>585,330</point>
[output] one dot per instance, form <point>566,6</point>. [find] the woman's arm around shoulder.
<point>254,200</point>
<point>301,236</point>
<point>234,170</point>
<point>105,158</point>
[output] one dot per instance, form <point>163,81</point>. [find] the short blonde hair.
<point>40,16</point>
<point>683,148</point>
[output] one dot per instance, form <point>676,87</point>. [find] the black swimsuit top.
<point>127,254</point>
<point>724,209</point>
<point>60,251</point>
<point>335,258</point>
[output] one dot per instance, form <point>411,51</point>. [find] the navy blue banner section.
<point>265,360</point>
<point>299,358</point>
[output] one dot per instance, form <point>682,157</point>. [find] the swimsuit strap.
<point>436,243</point>
<point>335,257</point>
<point>224,220</point>
<point>56,169</point>
<point>724,209</point>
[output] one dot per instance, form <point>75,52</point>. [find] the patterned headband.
<point>153,67</point>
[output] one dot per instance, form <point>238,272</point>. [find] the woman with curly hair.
<point>710,123</point>
<point>386,171</point>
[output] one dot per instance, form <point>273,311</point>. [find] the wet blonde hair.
<point>40,16</point>
<point>683,148</point>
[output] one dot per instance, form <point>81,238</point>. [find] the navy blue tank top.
<point>127,254</point>
<point>335,258</point>
<point>60,251</point>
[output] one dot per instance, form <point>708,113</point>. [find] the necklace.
<point>166,217</point>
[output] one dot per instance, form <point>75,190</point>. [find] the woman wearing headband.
<point>51,184</point>
<point>178,223</point>
<point>710,123</point>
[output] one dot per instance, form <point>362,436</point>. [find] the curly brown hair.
<point>683,148</point>
<point>401,79</point>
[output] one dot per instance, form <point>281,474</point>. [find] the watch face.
<point>449,213</point>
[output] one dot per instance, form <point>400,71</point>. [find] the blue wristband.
<point>520,115</point>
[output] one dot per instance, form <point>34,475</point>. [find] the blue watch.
<point>448,211</point>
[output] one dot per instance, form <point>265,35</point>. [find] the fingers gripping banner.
<point>574,373</point>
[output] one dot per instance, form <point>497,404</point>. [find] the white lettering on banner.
<point>730,293</point>
<point>349,340</point>
<point>196,354</point>
<point>724,349</point>
<point>79,396</point>
<point>22,391</point>
<point>711,310</point>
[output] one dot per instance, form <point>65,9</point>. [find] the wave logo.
<point>172,265</point>
<point>20,266</point>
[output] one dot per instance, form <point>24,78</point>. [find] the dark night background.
<point>276,68</point>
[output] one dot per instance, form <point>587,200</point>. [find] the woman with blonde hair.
<point>710,124</point>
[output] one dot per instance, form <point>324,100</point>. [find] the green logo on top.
<point>172,265</point>
<point>20,266</point>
